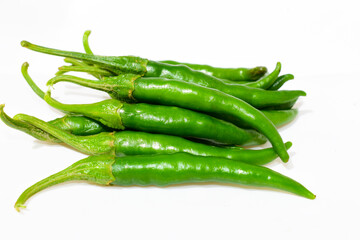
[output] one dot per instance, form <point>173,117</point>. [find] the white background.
<point>317,41</point>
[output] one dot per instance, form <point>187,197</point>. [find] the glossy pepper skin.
<point>280,81</point>
<point>79,125</point>
<point>248,92</point>
<point>163,170</point>
<point>142,143</point>
<point>258,98</point>
<point>232,74</point>
<point>156,119</point>
<point>162,119</point>
<point>83,126</point>
<point>277,117</point>
<point>169,92</point>
<point>240,75</point>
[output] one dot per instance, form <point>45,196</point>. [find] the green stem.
<point>88,69</point>
<point>86,42</point>
<point>93,169</point>
<point>102,143</point>
<point>106,112</point>
<point>81,81</point>
<point>26,127</point>
<point>115,64</point>
<point>75,62</point>
<point>34,87</point>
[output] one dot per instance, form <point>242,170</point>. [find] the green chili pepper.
<point>280,81</point>
<point>284,106</point>
<point>157,119</point>
<point>259,98</point>
<point>142,143</point>
<point>232,74</point>
<point>181,94</point>
<point>277,117</point>
<point>266,81</point>
<point>79,125</point>
<point>163,170</point>
<point>280,117</point>
<point>162,119</point>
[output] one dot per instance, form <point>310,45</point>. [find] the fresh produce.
<point>166,123</point>
<point>163,170</point>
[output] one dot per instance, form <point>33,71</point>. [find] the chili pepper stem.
<point>119,64</point>
<point>81,81</point>
<point>109,108</point>
<point>26,127</point>
<point>86,42</point>
<point>93,169</point>
<point>102,143</point>
<point>87,69</point>
<point>34,87</point>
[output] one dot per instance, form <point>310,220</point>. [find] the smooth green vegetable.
<point>86,126</point>
<point>281,117</point>
<point>142,143</point>
<point>162,170</point>
<point>280,81</point>
<point>232,74</point>
<point>259,98</point>
<point>79,125</point>
<point>131,87</point>
<point>266,81</point>
<point>162,119</point>
<point>157,119</point>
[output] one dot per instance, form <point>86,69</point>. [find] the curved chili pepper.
<point>163,170</point>
<point>80,125</point>
<point>280,81</point>
<point>181,94</point>
<point>142,143</point>
<point>157,119</point>
<point>277,117</point>
<point>162,119</point>
<point>266,81</point>
<point>259,98</point>
<point>284,106</point>
<point>232,74</point>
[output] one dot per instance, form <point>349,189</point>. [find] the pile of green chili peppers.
<point>165,122</point>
